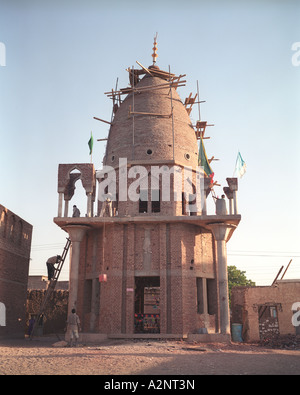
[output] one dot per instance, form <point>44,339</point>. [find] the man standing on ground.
<point>73,327</point>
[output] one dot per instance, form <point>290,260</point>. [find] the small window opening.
<point>155,201</point>
<point>143,201</point>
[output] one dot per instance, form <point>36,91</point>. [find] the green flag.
<point>91,143</point>
<point>203,161</point>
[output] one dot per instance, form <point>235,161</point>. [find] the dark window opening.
<point>155,201</point>
<point>143,201</point>
<point>206,299</point>
<point>183,204</point>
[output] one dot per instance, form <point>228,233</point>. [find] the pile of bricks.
<point>288,342</point>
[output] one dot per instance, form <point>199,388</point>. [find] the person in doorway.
<point>50,266</point>
<point>76,212</point>
<point>73,328</point>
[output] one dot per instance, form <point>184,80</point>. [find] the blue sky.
<point>61,56</point>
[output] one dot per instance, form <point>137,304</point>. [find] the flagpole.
<point>236,162</point>
<point>234,171</point>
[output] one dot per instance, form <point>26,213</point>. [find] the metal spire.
<point>154,55</point>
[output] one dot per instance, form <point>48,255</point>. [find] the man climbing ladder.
<point>55,272</point>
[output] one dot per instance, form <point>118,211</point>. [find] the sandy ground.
<point>136,357</point>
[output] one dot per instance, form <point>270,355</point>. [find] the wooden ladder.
<point>51,286</point>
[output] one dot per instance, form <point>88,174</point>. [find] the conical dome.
<point>145,130</point>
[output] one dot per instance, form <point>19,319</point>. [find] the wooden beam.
<point>146,88</point>
<point>144,68</point>
<point>277,275</point>
<point>102,120</point>
<point>286,269</point>
<point>187,100</point>
<point>148,113</point>
<point>212,158</point>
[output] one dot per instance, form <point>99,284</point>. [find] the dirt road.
<point>129,357</point>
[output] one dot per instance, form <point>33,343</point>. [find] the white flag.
<point>240,166</point>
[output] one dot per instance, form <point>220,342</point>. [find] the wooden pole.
<point>144,68</point>
<point>277,275</point>
<point>133,140</point>
<point>102,120</point>
<point>125,91</point>
<point>286,269</point>
<point>172,116</point>
<point>198,101</point>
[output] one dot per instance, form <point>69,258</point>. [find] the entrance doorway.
<point>268,321</point>
<point>147,305</point>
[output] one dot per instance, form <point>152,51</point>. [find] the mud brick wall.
<point>15,244</point>
<point>250,306</point>
<point>56,311</point>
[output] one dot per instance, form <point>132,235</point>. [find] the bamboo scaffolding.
<point>148,113</point>
<point>144,68</point>
<point>125,91</point>
<point>189,101</point>
<point>133,118</point>
<point>172,114</point>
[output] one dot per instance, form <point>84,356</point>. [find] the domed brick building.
<point>148,261</point>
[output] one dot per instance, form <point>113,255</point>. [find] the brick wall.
<point>249,304</point>
<point>41,282</point>
<point>15,243</point>
<point>175,253</point>
<point>151,132</point>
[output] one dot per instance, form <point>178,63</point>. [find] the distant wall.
<point>265,311</point>
<point>55,313</point>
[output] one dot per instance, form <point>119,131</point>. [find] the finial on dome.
<point>154,55</point>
